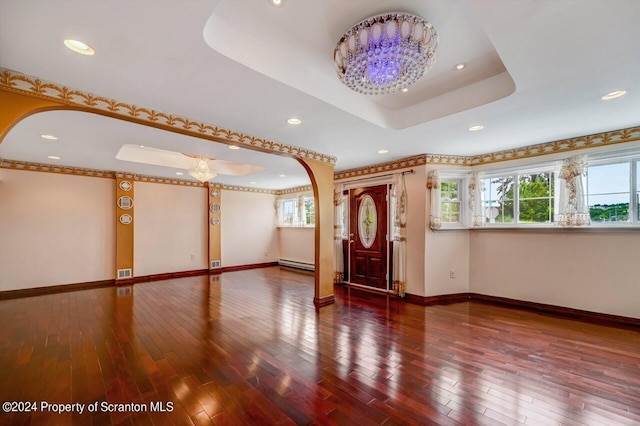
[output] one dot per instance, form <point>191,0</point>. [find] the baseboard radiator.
<point>297,265</point>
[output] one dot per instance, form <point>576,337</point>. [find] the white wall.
<point>297,244</point>
<point>55,229</point>
<point>249,234</point>
<point>170,227</point>
<point>590,270</point>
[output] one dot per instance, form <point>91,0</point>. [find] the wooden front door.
<point>368,246</point>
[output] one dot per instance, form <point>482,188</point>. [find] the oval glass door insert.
<point>367,221</point>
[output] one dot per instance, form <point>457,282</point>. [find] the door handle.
<point>351,241</point>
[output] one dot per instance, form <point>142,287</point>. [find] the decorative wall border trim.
<point>48,168</point>
<point>13,81</point>
<point>417,160</point>
<point>247,189</point>
<point>156,179</point>
<point>305,188</point>
<point>613,137</point>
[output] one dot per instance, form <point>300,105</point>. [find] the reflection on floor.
<point>250,348</point>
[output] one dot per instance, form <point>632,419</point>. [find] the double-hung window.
<point>296,211</point>
<point>450,191</point>
<point>613,192</point>
<point>519,198</point>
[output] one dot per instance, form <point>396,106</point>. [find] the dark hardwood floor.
<point>249,347</point>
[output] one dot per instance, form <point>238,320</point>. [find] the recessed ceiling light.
<point>252,183</point>
<point>382,151</point>
<point>276,3</point>
<point>294,121</point>
<point>53,157</point>
<point>613,95</point>
<point>50,137</point>
<point>80,47</point>
<point>459,66</point>
<point>405,89</point>
<point>141,146</point>
<point>282,175</point>
<point>234,147</point>
<point>476,128</point>
<point>179,173</point>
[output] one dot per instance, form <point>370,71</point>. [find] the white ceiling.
<point>536,71</point>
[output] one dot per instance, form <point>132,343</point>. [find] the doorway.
<point>369,236</point>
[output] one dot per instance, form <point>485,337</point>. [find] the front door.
<point>368,246</point>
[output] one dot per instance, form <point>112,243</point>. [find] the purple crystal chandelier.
<point>385,53</point>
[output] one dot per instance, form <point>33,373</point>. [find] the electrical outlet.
<point>193,257</point>
<point>452,274</point>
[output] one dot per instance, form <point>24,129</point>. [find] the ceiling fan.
<point>199,167</point>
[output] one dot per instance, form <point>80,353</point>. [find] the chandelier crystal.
<point>385,53</point>
<point>202,171</point>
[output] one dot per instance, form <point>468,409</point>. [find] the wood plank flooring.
<point>249,347</point>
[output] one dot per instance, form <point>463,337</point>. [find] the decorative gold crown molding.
<point>613,137</point>
<point>16,82</point>
<point>247,189</point>
<point>76,171</point>
<point>155,179</point>
<point>417,160</point>
<point>305,188</point>
<point>48,168</point>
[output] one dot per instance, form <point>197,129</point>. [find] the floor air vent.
<point>124,273</point>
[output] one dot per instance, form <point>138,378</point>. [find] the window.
<point>608,192</point>
<point>498,199</point>
<point>309,213</point>
<point>638,190</point>
<point>524,198</point>
<point>297,212</point>
<point>535,197</point>
<point>289,212</point>
<point>450,201</point>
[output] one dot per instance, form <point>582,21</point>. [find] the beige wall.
<point>296,244</point>
<point>249,234</point>
<point>416,198</point>
<point>446,251</point>
<point>55,229</point>
<point>590,270</point>
<point>170,229</point>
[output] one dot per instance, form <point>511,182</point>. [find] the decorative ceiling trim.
<point>246,189</point>
<point>16,82</point>
<point>613,137</point>
<point>417,160</point>
<point>305,188</point>
<point>48,168</point>
<point>155,179</point>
